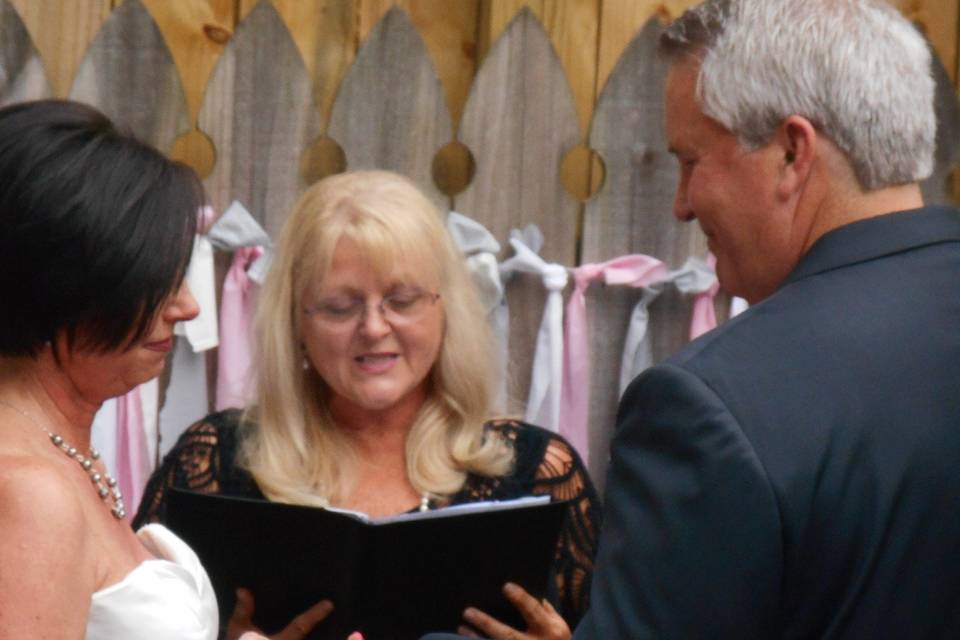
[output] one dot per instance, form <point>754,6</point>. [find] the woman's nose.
<point>183,306</point>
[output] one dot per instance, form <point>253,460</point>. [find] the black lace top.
<point>203,459</point>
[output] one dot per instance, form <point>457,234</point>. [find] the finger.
<point>304,623</point>
<point>243,609</point>
<point>492,627</point>
<point>542,619</point>
<point>530,608</point>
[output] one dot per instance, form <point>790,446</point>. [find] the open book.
<point>390,578</point>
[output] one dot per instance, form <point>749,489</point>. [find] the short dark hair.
<point>96,228</point>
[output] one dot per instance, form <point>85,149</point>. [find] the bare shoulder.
<point>44,551</point>
<point>37,500</point>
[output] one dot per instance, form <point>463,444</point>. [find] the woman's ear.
<point>798,139</point>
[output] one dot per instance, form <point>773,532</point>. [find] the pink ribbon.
<point>632,270</point>
<point>235,369</point>
<point>132,464</point>
<point>704,317</point>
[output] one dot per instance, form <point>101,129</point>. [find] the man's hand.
<point>543,621</point>
<point>241,625</point>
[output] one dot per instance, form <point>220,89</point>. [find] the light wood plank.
<point>390,111</point>
<point>61,32</point>
<point>325,32</point>
<point>260,114</point>
<point>519,122</point>
<point>196,32</point>
<point>129,74</point>
<point>21,71</point>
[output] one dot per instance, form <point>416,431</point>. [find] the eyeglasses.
<point>398,308</point>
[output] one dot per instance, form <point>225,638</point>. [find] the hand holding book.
<point>542,620</point>
<point>241,626</point>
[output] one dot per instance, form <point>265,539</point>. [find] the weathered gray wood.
<point>519,122</point>
<point>632,213</point>
<point>260,114</point>
<point>21,70</point>
<point>390,111</point>
<point>936,189</point>
<point>129,74</point>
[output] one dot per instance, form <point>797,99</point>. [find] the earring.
<point>305,361</point>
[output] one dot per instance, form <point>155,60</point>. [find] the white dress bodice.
<point>166,598</point>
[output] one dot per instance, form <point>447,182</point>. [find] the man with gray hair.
<point>795,473</point>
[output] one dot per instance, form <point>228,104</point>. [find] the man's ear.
<point>797,139</point>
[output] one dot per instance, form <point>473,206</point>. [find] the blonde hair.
<point>290,442</point>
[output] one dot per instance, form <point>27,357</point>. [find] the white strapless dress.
<point>167,598</point>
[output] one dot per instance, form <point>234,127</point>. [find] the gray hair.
<point>857,69</point>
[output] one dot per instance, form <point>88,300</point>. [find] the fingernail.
<point>511,589</point>
<point>356,635</point>
<point>469,613</point>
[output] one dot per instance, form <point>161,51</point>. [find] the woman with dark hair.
<point>96,230</point>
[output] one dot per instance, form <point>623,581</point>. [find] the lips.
<point>376,362</point>
<point>163,346</point>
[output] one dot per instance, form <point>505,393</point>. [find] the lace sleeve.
<point>193,464</point>
<point>562,474</point>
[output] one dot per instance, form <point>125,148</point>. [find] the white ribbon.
<point>480,250</point>
<point>738,306</point>
<point>694,277</point>
<point>201,332</point>
<point>546,380</point>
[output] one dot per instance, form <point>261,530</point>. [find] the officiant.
<point>376,374</point>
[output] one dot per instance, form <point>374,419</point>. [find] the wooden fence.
<point>511,112</point>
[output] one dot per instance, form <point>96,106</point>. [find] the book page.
<point>446,512</point>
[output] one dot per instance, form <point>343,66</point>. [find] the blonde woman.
<point>375,381</point>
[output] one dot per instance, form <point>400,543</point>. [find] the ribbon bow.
<point>631,270</point>
<point>543,403</point>
<point>238,231</point>
<point>480,250</point>
<point>694,277</point>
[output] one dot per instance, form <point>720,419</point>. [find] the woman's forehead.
<point>355,265</point>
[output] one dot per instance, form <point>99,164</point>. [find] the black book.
<point>391,578</point>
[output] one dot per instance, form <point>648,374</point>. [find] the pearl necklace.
<point>105,484</point>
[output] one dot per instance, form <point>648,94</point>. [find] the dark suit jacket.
<point>796,472</point>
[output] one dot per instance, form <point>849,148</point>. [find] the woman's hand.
<point>241,625</point>
<point>543,621</point>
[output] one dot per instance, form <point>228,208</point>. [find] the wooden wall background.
<point>557,101</point>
